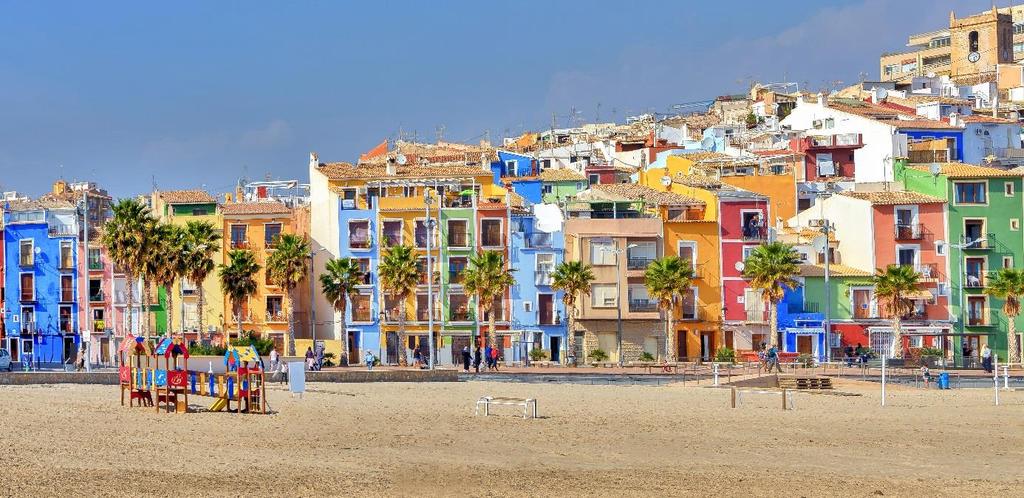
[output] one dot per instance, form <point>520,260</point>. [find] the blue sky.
<point>198,94</point>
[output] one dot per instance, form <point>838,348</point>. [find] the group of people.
<point>859,354</point>
<point>489,356</point>
<point>768,358</point>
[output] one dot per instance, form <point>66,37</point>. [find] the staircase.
<point>812,382</point>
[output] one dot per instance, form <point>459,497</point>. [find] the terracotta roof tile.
<point>961,170</point>
<point>560,175</point>
<point>926,124</point>
<point>635,192</point>
<point>241,208</point>
<point>883,198</point>
<point>378,171</point>
<point>834,270</point>
<point>187,197</point>
<point>981,118</point>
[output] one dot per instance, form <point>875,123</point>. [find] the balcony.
<point>755,234</point>
<point>459,239</point>
<point>756,315</point>
<point>538,240</point>
<point>549,318</point>
<point>638,262</point>
<point>359,242</point>
<point>979,319</point>
<point>542,277</point>
<point>698,271</point>
<point>362,315</point>
<point>642,306</point>
<point>367,278</point>
<point>99,325</point>
<point>978,243</point>
<point>974,280</point>
<point>62,231</point>
<point>97,297</point>
<point>692,314</point>
<point>461,316</point>
<point>239,244</point>
<point>834,141</point>
<point>929,156</point>
<point>912,231</point>
<point>95,265</point>
<point>455,277</point>
<point>276,317</point>
<point>424,315</point>
<point>915,314</point>
<point>928,271</point>
<point>26,261</point>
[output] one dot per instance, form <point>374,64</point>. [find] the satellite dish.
<point>38,250</point>
<point>740,266</point>
<point>935,169</point>
<point>707,143</point>
<point>401,159</point>
<point>819,243</point>
<point>666,181</point>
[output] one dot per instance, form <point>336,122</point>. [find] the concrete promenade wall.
<point>338,376</point>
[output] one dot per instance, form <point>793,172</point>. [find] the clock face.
<point>973,57</point>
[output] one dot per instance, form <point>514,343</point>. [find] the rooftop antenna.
<point>440,133</point>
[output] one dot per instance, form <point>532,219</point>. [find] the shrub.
<point>263,346</point>
<point>598,355</point>
<point>932,352</point>
<point>537,354</point>
<point>806,360</point>
<point>645,356</point>
<point>725,355</point>
<point>202,349</point>
<point>329,359</point>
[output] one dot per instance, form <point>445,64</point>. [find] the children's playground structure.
<point>160,377</point>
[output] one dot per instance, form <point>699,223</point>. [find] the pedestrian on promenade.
<point>309,358</point>
<point>319,359</point>
<point>773,359</point>
<point>986,358</point>
<point>417,357</point>
<point>494,359</point>
<point>477,359</point>
<point>274,358</point>
<point>370,360</point>
<point>762,358</point>
<point>487,357</point>
<point>465,359</point>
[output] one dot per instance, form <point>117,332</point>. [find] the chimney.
<point>392,167</point>
<point>878,95</point>
<point>954,119</point>
<point>822,101</point>
<point>227,198</point>
<point>314,160</point>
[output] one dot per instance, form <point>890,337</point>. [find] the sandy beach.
<point>423,439</point>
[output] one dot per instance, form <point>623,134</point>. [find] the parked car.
<point>5,360</point>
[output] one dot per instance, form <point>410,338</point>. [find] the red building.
<point>827,157</point>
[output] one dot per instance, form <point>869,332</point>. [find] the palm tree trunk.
<point>129,298</point>
<point>146,296</point>
<point>492,335</point>
<point>202,315</point>
<point>896,351</point>
<point>670,350</point>
<point>291,321</point>
<point>1012,348</point>
<point>570,341</point>
<point>168,289</point>
<point>344,360</point>
<point>238,319</point>
<point>403,359</point>
<point>773,323</point>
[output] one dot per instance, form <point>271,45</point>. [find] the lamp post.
<point>826,229</point>
<point>618,295</point>
<point>312,303</point>
<point>380,325</point>
<point>427,201</point>
<point>964,244</point>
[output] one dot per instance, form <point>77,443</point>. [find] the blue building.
<point>41,244</point>
<point>357,227</point>
<point>801,327</point>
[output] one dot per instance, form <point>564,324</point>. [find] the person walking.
<point>274,358</point>
<point>773,359</point>
<point>494,359</point>
<point>986,358</point>
<point>370,360</point>
<point>465,359</point>
<point>309,358</point>
<point>487,357</point>
<point>477,359</point>
<point>417,357</point>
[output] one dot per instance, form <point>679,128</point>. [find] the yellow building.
<point>179,207</point>
<point>255,226</point>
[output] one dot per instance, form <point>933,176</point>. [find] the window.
<point>1007,261</point>
<point>1015,224</point>
<point>409,191</point>
<point>28,318</point>
<point>545,164</point>
<point>490,232</point>
<point>747,251</point>
<point>915,341</point>
<point>364,269</point>
<point>271,231</point>
<point>830,123</point>
<point>594,178</point>
<point>891,69</point>
<point>825,165</point>
<point>359,234</point>
<point>456,265</point>
<point>420,233</point>
<point>976,311</point>
<point>688,308</point>
<point>906,256</point>
<point>972,41</point>
<point>688,251</point>
<point>28,287</point>
<point>26,256</point>
<point>95,290</point>
<point>200,212</point>
<point>95,259</point>
<point>64,313</point>
<point>544,268</point>
<point>275,309</point>
<point>422,308</point>
<point>547,189</point>
<point>1008,189</point>
<point>238,236</point>
<point>970,193</point>
<point>458,307</point>
<point>603,296</point>
<point>601,252</point>
<point>939,42</point>
<point>1018,47</point>
<point>458,233</point>
<point>579,186</point>
<point>512,167</point>
<point>974,230</point>
<point>974,272</point>
<point>67,262</point>
<point>940,248</point>
<point>1018,29</point>
<point>392,232</point>
<point>361,309</point>
<point>67,289</point>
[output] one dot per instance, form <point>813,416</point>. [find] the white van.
<point>5,360</point>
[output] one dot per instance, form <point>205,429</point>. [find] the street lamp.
<point>960,278</point>
<point>312,302</point>
<point>618,295</point>
<point>826,230</point>
<point>427,201</point>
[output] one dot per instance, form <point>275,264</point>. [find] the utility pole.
<point>430,277</point>
<point>87,331</point>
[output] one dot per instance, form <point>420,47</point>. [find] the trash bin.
<point>944,380</point>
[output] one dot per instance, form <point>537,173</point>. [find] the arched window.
<point>972,41</point>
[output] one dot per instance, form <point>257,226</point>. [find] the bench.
<point>787,396</point>
<point>487,401</point>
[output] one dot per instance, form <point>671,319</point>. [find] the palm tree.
<point>167,263</point>
<point>125,239</point>
<point>399,277</point>
<point>287,267</point>
<point>668,280</point>
<point>893,285</point>
<point>772,268</point>
<point>339,281</point>
<point>238,280</point>
<point>202,242</point>
<point>573,278</point>
<point>1008,284</point>
<point>488,278</point>
<point>152,233</point>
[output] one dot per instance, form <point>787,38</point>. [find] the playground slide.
<point>218,405</point>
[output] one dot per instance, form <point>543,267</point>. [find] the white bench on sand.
<point>487,401</point>
<point>787,396</point>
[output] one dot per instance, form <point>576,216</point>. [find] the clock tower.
<point>980,42</point>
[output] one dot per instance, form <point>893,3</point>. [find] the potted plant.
<point>725,355</point>
<point>598,355</point>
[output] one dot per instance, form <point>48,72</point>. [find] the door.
<point>556,349</point>
<point>14,350</point>
<point>862,303</point>
<point>578,338</point>
<point>805,344</point>
<point>707,345</point>
<point>69,349</point>
<point>607,343</point>
<point>680,346</point>
<point>353,348</point>
<point>545,306</point>
<point>392,348</point>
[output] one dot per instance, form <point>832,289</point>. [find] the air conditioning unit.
<point>816,223</point>
<point>528,306</point>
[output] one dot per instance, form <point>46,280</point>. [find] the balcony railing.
<point>62,231</point>
<point>928,271</point>
<point>865,312</point>
<point>979,319</point>
<point>28,327</point>
<point>424,315</point>
<point>362,315</point>
<point>26,260</point>
<point>978,244</point>
<point>455,277</point>
<point>837,140</point>
<point>367,279</point>
<point>97,297</point>
<point>691,314</point>
<point>757,315</point>
<point>459,239</point>
<point>543,278</point>
<point>95,265</point>
<point>461,316</point>
<point>538,240</point>
<point>754,233</point>
<point>550,318</point>
<point>638,262</point>
<point>239,244</point>
<point>424,278</point>
<point>929,156</point>
<point>65,264</point>
<point>915,314</point>
<point>912,231</point>
<point>359,242</point>
<point>98,325</point>
<point>27,297</point>
<point>974,280</point>
<point>642,306</point>
<point>278,316</point>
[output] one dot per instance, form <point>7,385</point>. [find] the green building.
<point>984,212</point>
<point>559,184</point>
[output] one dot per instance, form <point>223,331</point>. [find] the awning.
<point>922,294</point>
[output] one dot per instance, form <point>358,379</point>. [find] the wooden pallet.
<point>805,382</point>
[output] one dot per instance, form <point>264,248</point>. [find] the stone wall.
<point>349,375</point>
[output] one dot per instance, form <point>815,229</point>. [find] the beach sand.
<point>423,439</point>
